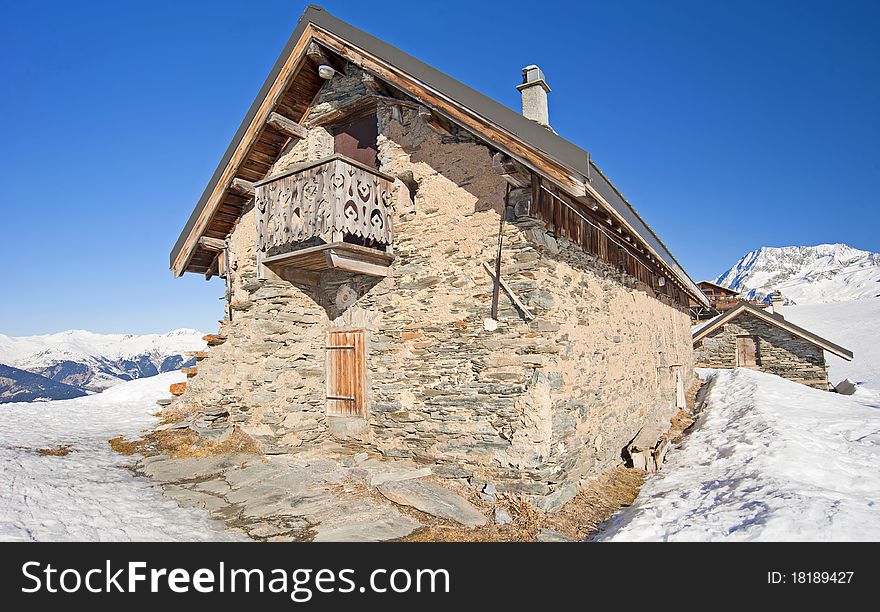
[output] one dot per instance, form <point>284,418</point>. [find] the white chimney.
<point>776,302</point>
<point>534,90</point>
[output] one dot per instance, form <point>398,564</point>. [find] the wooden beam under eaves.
<point>212,244</point>
<point>242,187</point>
<point>286,126</point>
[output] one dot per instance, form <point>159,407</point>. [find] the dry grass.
<point>615,488</point>
<point>59,451</point>
<point>125,447</point>
<point>186,443</point>
<point>177,411</point>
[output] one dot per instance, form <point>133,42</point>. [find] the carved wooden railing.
<point>327,199</point>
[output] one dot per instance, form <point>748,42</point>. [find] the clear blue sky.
<point>729,125</point>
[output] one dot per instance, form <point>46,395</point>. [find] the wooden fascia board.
<point>287,72</point>
<point>572,182</point>
<point>783,324</point>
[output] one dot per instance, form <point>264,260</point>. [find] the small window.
<point>346,374</point>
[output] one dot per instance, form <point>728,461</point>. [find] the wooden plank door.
<point>346,373</point>
<point>746,351</point>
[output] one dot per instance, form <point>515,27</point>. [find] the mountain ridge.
<point>817,274</point>
<point>22,386</point>
<point>93,362</point>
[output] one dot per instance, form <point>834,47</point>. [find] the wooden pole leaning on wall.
<point>496,285</point>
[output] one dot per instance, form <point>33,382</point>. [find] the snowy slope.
<point>88,494</point>
<point>806,274</point>
<point>769,459</point>
<point>854,325</point>
<point>94,362</point>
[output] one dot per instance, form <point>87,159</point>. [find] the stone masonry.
<point>779,352</point>
<point>531,406</point>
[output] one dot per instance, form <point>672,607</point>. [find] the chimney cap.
<point>532,75</point>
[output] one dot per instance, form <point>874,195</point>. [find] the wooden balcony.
<point>334,213</point>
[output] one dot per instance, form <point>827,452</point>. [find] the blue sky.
<point>728,125</point>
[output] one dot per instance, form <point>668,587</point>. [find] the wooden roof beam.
<point>242,187</point>
<point>212,244</point>
<point>286,126</point>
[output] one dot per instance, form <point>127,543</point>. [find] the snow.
<point>89,494</point>
<point>30,352</point>
<point>806,274</point>
<point>853,325</point>
<point>770,460</point>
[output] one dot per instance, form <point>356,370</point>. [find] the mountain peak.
<point>815,274</point>
<point>92,361</point>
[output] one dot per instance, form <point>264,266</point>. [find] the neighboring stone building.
<point>360,217</point>
<point>750,337</point>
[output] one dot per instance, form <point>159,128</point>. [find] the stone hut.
<point>414,270</point>
<point>751,337</point>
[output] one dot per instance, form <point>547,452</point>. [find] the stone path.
<point>301,498</point>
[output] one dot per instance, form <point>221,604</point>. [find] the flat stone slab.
<point>435,500</point>
<point>554,502</point>
<point>365,522</point>
<point>166,469</point>
<point>193,499</point>
<point>551,535</point>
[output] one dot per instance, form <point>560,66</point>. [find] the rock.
<point>360,458</point>
<point>553,503</point>
<point>193,499</point>
<point>214,433</point>
<point>845,387</point>
<point>502,516</point>
<point>190,468</point>
<point>397,475</point>
<point>365,522</point>
<point>269,530</point>
<point>452,471</point>
<point>551,535</point>
<point>488,493</point>
<point>435,500</point>
<point>217,487</point>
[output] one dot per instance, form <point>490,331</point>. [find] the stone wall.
<point>528,406</point>
<point>779,352</point>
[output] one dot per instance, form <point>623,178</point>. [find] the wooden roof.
<point>292,85</point>
<point>773,319</point>
<point>722,289</point>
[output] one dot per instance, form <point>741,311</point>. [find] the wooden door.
<point>358,140</point>
<point>346,374</point>
<point>746,351</point>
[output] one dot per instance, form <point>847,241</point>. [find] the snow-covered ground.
<point>854,325</point>
<point>768,459</point>
<point>88,494</point>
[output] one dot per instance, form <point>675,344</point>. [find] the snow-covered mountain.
<point>806,274</point>
<point>92,362</point>
<point>22,386</point>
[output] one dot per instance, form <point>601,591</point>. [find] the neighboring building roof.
<point>543,141</point>
<point>725,289</point>
<point>773,319</point>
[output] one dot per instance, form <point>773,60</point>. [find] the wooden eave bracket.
<point>286,126</point>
